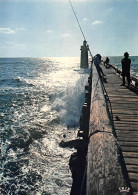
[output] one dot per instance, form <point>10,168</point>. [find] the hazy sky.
<point>47,28</point>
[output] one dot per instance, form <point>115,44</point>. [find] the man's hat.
<point>126,54</point>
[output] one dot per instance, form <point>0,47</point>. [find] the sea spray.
<point>41,100</point>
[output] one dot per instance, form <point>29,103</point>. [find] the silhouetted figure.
<point>106,62</point>
<point>97,61</point>
<point>126,68</point>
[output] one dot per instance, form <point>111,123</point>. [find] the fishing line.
<point>79,26</point>
<point>77,20</point>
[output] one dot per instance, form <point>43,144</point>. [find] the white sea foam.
<point>43,103</point>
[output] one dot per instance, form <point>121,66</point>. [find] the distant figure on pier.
<point>106,62</point>
<point>97,61</point>
<point>126,69</point>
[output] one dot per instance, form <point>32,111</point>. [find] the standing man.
<point>126,69</point>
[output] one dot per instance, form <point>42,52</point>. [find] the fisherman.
<point>126,69</point>
<point>97,61</point>
<point>106,62</point>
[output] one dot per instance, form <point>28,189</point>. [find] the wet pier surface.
<point>124,103</point>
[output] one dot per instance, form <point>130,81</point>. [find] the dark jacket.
<point>126,66</point>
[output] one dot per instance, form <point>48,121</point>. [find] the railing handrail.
<point>133,77</point>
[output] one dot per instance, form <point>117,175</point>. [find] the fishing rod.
<point>77,20</point>
<point>79,26</point>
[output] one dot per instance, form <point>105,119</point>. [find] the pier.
<point>112,158</point>
<point>106,162</point>
<point>109,125</point>
<point>124,103</point>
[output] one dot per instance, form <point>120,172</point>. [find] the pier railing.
<point>134,79</point>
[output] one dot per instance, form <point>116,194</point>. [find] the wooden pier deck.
<point>124,104</point>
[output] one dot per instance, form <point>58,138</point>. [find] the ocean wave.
<point>68,104</point>
<point>16,82</point>
<point>35,112</point>
<point>20,140</point>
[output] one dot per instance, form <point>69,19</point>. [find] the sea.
<point>41,101</point>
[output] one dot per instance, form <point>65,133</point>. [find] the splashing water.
<point>40,101</point>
